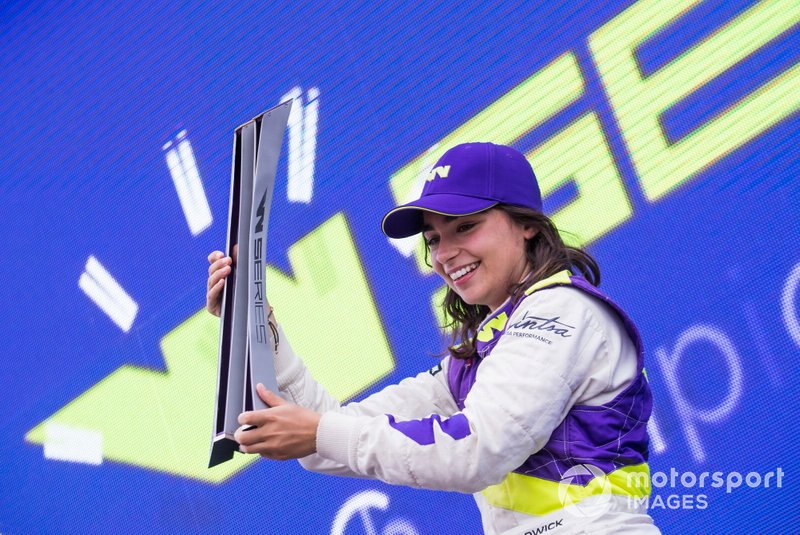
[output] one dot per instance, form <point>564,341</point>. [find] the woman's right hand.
<point>220,267</point>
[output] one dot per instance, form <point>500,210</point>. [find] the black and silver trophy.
<point>246,341</point>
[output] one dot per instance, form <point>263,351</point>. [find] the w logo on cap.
<point>438,172</point>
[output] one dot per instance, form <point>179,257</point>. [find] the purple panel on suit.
<point>421,431</point>
<point>461,377</point>
<point>607,436</point>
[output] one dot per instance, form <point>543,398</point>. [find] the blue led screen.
<point>665,136</point>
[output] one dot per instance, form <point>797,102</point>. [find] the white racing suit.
<point>546,426</point>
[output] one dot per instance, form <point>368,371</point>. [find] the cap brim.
<point>406,220</point>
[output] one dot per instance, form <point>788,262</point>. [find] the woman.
<point>540,408</point>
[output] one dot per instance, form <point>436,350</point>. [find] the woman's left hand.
<point>283,431</point>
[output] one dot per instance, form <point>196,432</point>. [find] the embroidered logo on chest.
<point>541,328</point>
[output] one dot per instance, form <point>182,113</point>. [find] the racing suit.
<point>545,425</point>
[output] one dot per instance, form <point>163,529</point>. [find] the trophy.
<point>247,341</point>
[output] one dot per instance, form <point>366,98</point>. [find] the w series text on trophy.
<point>246,342</point>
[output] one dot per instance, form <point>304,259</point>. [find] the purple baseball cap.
<point>469,178</point>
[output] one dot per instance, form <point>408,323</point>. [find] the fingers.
<point>219,263</point>
<point>249,418</point>
<point>214,299</point>
<point>216,282</point>
<point>214,290</point>
<point>269,397</point>
<point>253,424</point>
<point>246,436</point>
<point>280,432</point>
<point>248,432</point>
<point>253,432</point>
<point>218,270</point>
<point>218,275</point>
<point>260,417</point>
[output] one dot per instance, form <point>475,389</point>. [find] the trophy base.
<point>222,449</point>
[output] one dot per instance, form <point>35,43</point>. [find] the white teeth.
<point>463,271</point>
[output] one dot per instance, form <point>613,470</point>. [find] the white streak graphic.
<point>656,438</point>
<point>183,168</point>
<point>73,444</point>
<point>302,128</point>
<point>106,292</point>
<point>788,308</point>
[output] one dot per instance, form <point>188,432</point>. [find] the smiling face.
<point>479,256</point>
